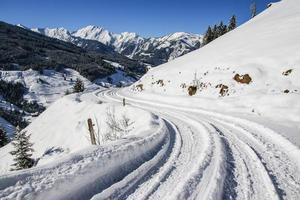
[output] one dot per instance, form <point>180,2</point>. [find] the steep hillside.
<point>46,86</point>
<point>21,49</point>
<point>256,66</point>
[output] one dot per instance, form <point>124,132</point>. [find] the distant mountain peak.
<point>22,26</point>
<point>153,50</point>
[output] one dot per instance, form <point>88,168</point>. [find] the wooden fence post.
<point>123,101</point>
<point>91,130</point>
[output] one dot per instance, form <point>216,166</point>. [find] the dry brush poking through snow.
<point>117,127</point>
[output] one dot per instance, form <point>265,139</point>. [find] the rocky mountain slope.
<point>21,48</point>
<point>153,51</point>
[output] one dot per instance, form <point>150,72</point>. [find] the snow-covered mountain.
<point>152,50</point>
<point>254,67</point>
<point>58,33</point>
<point>221,122</point>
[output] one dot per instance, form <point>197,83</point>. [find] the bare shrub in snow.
<point>160,82</point>
<point>183,85</point>
<point>126,124</point>
<point>196,81</point>
<point>223,89</point>
<point>117,128</point>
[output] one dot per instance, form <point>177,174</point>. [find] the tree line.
<point>218,30</point>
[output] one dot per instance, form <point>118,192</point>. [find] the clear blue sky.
<point>145,17</point>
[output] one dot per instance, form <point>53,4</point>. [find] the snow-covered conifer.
<point>22,151</point>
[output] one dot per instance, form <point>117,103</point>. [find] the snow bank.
<point>62,128</point>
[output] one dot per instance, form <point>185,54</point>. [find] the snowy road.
<point>187,154</point>
<point>213,156</point>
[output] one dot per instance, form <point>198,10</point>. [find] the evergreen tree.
<point>232,23</point>
<point>221,29</point>
<point>215,31</point>
<point>79,86</point>
<point>3,137</point>
<point>253,9</point>
<point>22,153</point>
<point>208,37</point>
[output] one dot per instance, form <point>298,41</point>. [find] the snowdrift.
<point>62,129</point>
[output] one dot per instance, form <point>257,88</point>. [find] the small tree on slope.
<point>3,137</point>
<point>79,86</point>
<point>22,153</point>
<point>232,23</point>
<point>209,36</point>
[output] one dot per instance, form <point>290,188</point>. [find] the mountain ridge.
<point>152,50</point>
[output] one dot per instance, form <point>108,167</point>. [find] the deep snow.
<point>242,146</point>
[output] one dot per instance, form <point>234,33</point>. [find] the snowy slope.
<point>62,129</point>
<point>202,147</point>
<point>47,87</point>
<point>265,48</point>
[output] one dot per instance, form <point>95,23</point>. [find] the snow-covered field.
<point>47,87</point>
<point>244,144</point>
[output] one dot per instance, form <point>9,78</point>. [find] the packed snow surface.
<point>242,144</point>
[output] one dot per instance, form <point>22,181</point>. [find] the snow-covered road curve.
<point>188,154</point>
<point>215,156</point>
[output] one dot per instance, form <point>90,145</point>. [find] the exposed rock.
<point>192,90</point>
<point>245,79</point>
<point>140,87</point>
<point>286,73</point>
<point>223,89</point>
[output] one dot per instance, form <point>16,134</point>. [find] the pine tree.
<point>208,37</point>
<point>3,137</point>
<point>79,86</point>
<point>221,29</point>
<point>215,31</point>
<point>232,23</point>
<point>22,153</point>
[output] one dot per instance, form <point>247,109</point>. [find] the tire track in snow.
<point>169,156</point>
<point>288,179</point>
<point>279,168</point>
